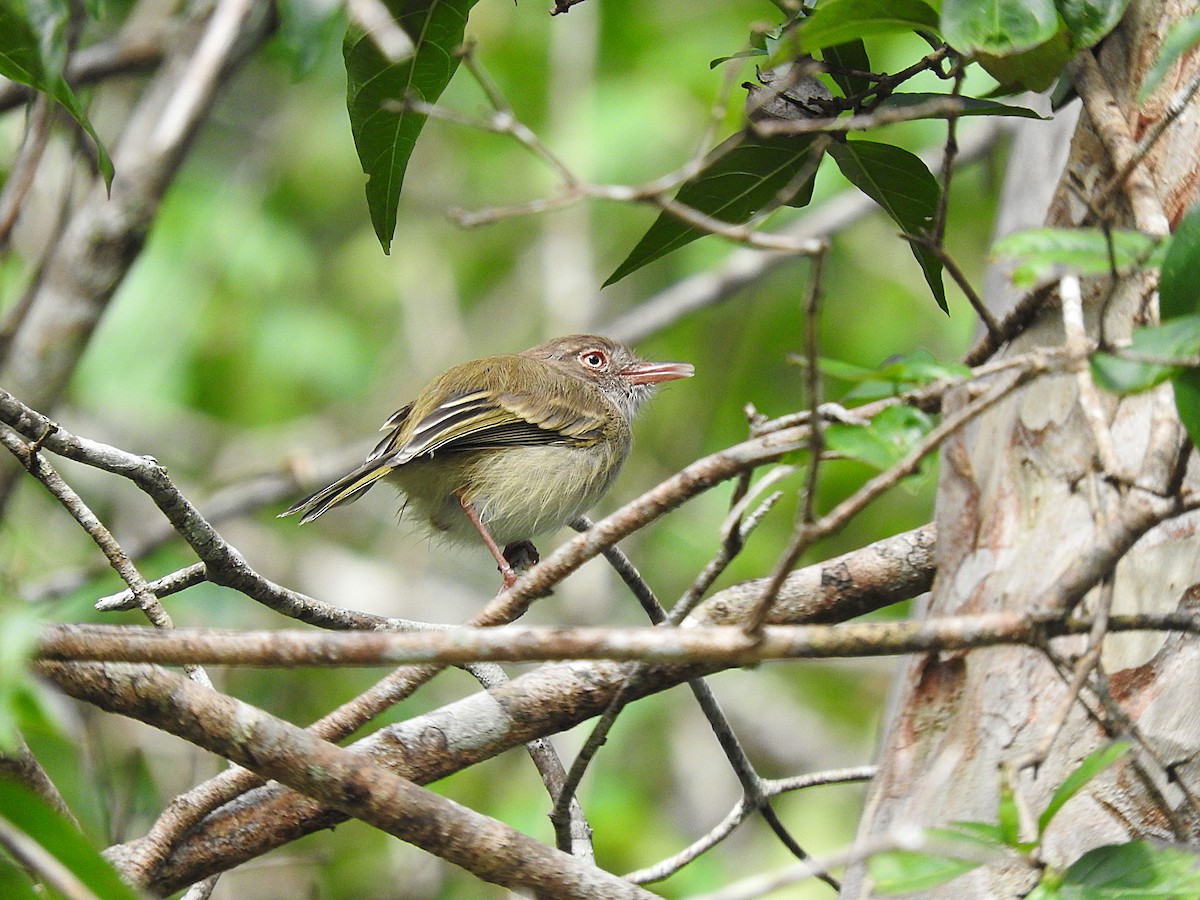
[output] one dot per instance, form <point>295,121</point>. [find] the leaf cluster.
<point>758,170</point>
<point>1132,869</point>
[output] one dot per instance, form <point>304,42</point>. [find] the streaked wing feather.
<point>454,418</point>
<point>493,422</point>
<point>397,419</point>
<point>502,416</point>
<point>393,426</point>
<point>346,489</point>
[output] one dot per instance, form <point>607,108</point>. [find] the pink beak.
<point>653,373</point>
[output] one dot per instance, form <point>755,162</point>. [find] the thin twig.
<point>162,587</point>
<point>812,376</point>
<point>960,278</point>
<point>938,228</point>
<point>624,567</point>
<point>929,109</point>
<point>42,863</point>
<point>752,783</point>
<point>807,533</point>
<point>747,266</point>
<point>573,188</point>
<point>138,49</point>
<point>223,564</point>
<point>740,813</point>
<point>926,842</point>
<point>735,532</point>
<point>201,890</point>
<point>32,460</point>
<point>505,119</point>
<point>1082,670</point>
<point>1078,348</point>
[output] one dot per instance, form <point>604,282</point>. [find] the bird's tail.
<point>346,489</point>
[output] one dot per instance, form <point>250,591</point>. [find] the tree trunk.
<point>1022,505</point>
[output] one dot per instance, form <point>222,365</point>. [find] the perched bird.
<point>510,446</point>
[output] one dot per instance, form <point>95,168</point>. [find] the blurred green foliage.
<point>263,326</point>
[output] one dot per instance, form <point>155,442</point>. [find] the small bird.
<point>510,446</point>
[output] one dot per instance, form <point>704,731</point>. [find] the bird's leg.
<point>502,563</point>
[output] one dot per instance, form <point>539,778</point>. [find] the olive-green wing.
<point>561,410</point>
<point>353,485</point>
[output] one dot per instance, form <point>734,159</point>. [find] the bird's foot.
<point>521,555</point>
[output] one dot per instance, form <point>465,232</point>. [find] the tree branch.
<point>546,701</point>
<point>348,782</point>
<point>710,647</point>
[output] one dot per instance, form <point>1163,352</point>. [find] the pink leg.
<point>506,570</point>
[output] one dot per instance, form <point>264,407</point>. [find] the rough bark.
<point>1021,500</point>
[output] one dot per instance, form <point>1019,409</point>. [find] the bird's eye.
<point>594,359</point>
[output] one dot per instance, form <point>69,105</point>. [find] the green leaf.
<point>1179,283</point>
<point>1090,20</point>
<point>903,185</point>
<point>1181,38</point>
<point>1008,816</point>
<point>1187,402</point>
<point>889,438</point>
<point>841,21</point>
<point>1137,869</point>
<point>758,47</point>
<point>1179,298</point>
<point>1021,43</point>
<point>920,367</point>
<point>910,871</point>
<point>1044,891</point>
<point>62,840</point>
<point>850,55</point>
<point>741,54</point>
<point>997,27</point>
<point>968,106</point>
<point>985,833</point>
<point>26,59</point>
<point>1035,69</point>
<point>746,173</point>
<point>894,377</point>
<point>1049,253</point>
<point>906,871</point>
<point>1093,764</point>
<point>385,139</point>
<point>15,883</point>
<point>306,28</point>
<point>1174,339</point>
<point>18,638</point>
<point>836,368</point>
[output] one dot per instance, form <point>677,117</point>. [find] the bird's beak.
<point>654,372</point>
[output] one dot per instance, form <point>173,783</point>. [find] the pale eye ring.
<point>594,359</point>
